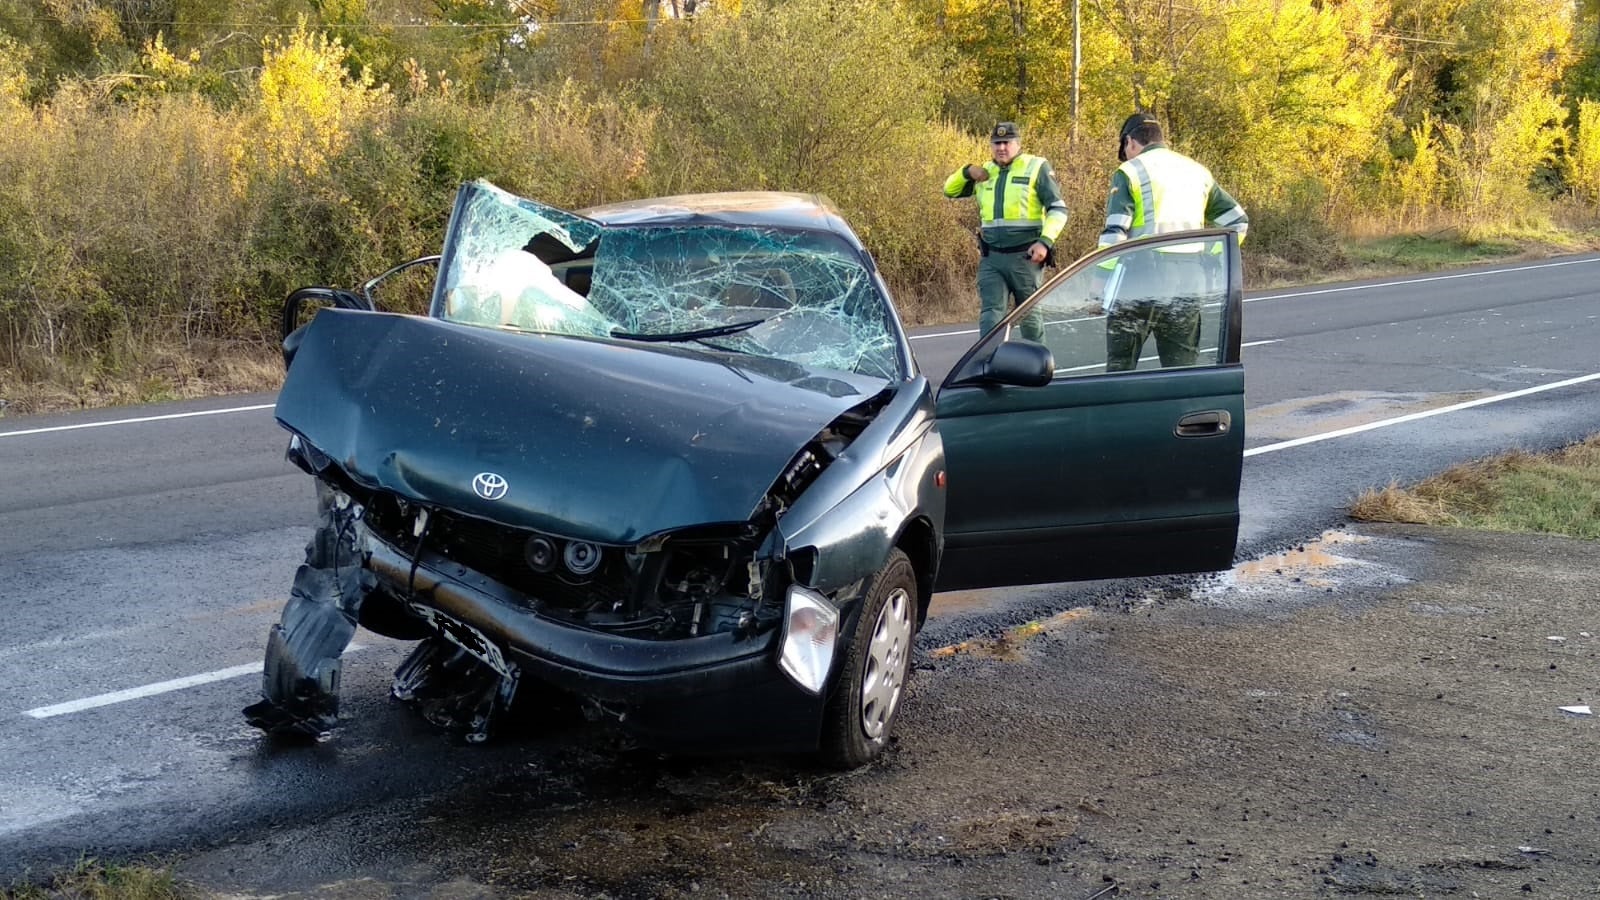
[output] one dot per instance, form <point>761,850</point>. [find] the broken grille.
<point>498,552</point>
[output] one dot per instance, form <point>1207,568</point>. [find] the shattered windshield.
<point>799,296</point>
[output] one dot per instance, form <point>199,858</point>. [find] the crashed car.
<point>675,458</point>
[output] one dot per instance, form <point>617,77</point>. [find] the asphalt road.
<point>148,550</point>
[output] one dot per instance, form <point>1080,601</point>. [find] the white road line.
<point>1425,280</point>
<point>151,690</point>
<point>924,337</point>
<point>1413,417</point>
<point>187,415</point>
<point>1354,287</point>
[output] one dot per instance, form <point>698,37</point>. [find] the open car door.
<point>1098,465</point>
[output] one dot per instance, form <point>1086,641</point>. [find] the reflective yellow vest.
<point>1021,201</point>
<point>1170,191</point>
<point>1021,217</point>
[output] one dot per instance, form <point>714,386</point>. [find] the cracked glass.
<point>799,296</point>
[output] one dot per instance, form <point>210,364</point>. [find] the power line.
<point>535,24</point>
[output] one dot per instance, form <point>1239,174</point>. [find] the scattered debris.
<point>1532,851</point>
<point>1577,710</point>
<point>1315,567</point>
<point>1005,644</point>
<point>1365,875</point>
<point>1556,638</point>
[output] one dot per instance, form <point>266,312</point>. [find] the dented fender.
<point>842,530</point>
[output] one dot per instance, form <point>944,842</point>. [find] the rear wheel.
<point>873,673</point>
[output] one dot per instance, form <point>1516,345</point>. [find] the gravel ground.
<point>1376,713</point>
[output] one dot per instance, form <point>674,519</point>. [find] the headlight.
<point>810,631</point>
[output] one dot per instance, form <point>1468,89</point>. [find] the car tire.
<point>872,676</point>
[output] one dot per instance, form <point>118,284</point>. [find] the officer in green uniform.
<point>1157,190</point>
<point>1022,213</point>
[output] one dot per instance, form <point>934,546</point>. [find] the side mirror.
<point>308,300</point>
<point>1021,363</point>
<point>291,344</point>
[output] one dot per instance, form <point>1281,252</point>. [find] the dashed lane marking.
<point>151,690</point>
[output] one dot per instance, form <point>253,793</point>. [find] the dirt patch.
<point>1302,416</point>
<point>1396,736</point>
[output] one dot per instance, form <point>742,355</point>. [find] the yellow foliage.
<point>164,64</point>
<point>1583,162</point>
<point>1289,90</point>
<point>13,80</point>
<point>1418,180</point>
<point>94,21</point>
<point>309,104</point>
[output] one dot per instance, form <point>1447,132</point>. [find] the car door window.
<point>1142,308</point>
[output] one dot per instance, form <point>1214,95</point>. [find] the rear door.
<point>1105,472</point>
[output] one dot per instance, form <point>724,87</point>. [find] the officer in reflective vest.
<point>1022,213</point>
<point>1158,191</point>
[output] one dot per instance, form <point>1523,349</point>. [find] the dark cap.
<point>1135,120</point>
<point>1005,131</point>
<point>1129,126</point>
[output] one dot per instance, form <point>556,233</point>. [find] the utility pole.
<point>1077,62</point>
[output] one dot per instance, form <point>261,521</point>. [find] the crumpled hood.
<point>603,441</point>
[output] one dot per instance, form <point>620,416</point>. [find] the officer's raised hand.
<point>977,173</point>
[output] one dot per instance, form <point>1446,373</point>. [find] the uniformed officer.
<point>1157,190</point>
<point>1022,213</point>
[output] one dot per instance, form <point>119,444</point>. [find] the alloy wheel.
<point>886,660</point>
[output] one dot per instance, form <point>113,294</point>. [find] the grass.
<point>147,373</point>
<point>1547,493</point>
<point>1435,250</point>
<point>93,880</point>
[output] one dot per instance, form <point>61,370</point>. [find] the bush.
<point>1292,239</point>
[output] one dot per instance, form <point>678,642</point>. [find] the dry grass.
<point>149,373</point>
<point>91,880</point>
<point>1550,493</point>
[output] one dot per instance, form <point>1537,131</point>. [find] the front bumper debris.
<point>300,677</point>
<point>716,691</point>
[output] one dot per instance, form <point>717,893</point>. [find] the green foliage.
<point>265,144</point>
<point>1287,244</point>
<point>1434,250</point>
<point>825,98</point>
<point>93,880</point>
<point>796,95</point>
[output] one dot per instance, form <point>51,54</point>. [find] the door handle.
<point>1210,423</point>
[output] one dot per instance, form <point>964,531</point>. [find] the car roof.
<point>769,209</point>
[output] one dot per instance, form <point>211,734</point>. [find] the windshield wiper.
<point>698,334</point>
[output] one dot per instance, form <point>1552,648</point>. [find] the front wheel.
<point>873,672</point>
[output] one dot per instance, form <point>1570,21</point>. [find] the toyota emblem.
<point>489,486</point>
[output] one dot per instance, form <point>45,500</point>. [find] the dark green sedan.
<point>674,458</point>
